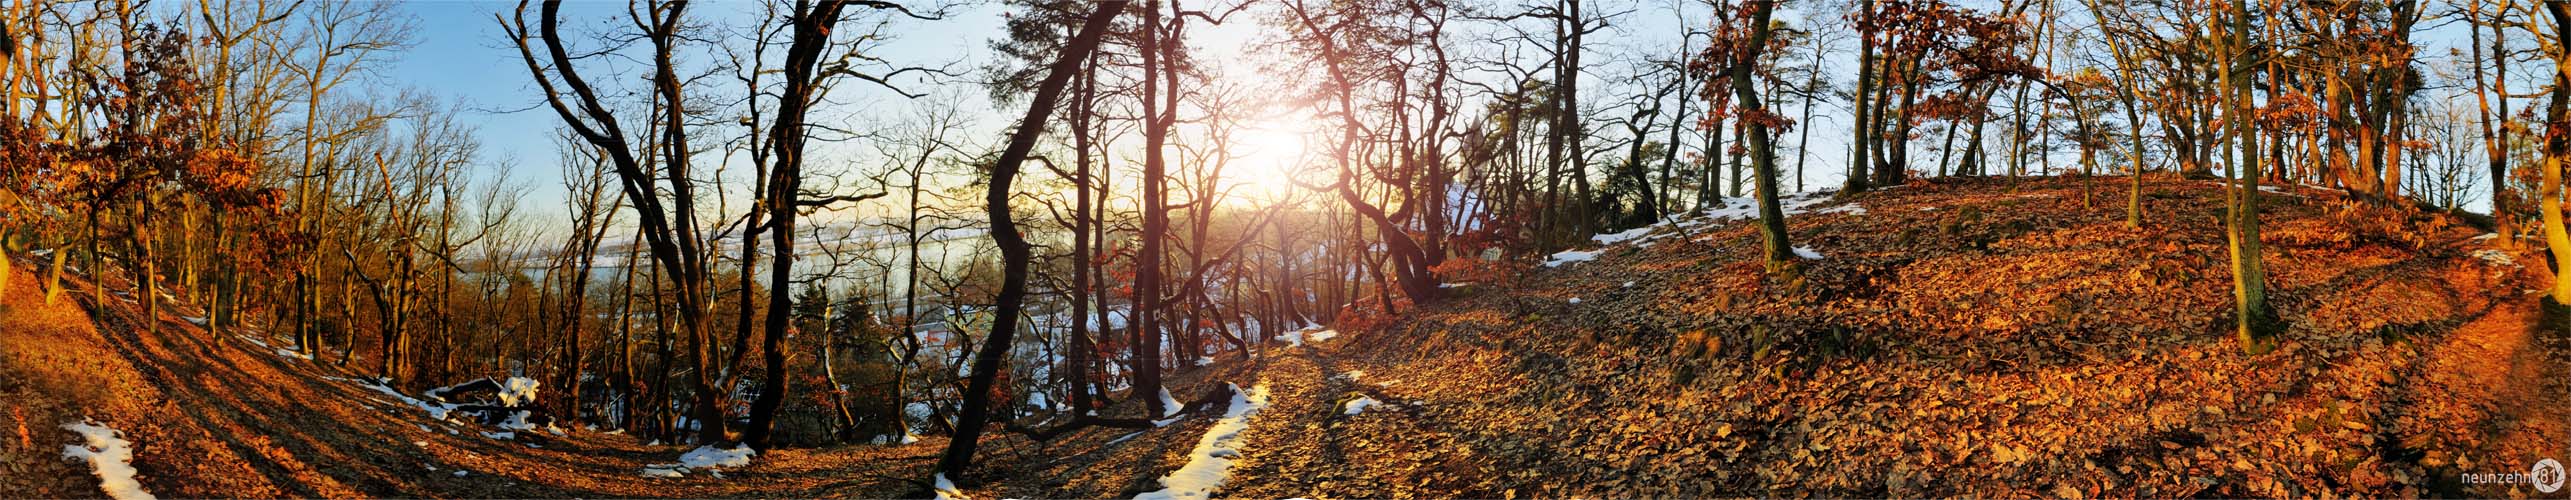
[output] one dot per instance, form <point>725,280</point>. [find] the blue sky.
<point>461,56</point>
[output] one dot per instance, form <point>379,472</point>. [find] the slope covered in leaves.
<point>233,416</point>
<point>1960,338</point>
<point>1977,338</point>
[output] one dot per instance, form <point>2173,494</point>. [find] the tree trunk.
<point>2256,325</point>
<point>1772,233</point>
<point>1013,247</point>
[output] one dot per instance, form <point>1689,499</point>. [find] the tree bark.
<point>1013,247</point>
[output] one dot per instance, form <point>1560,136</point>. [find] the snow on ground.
<point>1627,235</point>
<point>1211,462</point>
<point>946,489</point>
<point>1806,253</point>
<point>1169,405</point>
<point>1314,334</point>
<point>1359,405</point>
<point>707,458</point>
<point>710,456</point>
<point>1729,209</point>
<point>1571,256</point>
<point>436,411</point>
<point>194,320</point>
<point>1575,301</point>
<point>109,455</point>
<point>2496,257</point>
<point>502,435</point>
<point>664,470</point>
<point>517,391</point>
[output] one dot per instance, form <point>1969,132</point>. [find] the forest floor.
<point>1979,338</point>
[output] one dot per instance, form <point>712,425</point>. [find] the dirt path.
<point>2496,391</point>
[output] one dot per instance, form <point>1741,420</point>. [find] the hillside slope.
<point>235,416</point>
<point>1975,338</point>
<point>1959,338</point>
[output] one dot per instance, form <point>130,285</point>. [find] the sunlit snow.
<point>1211,462</point>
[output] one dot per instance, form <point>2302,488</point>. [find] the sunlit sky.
<point>462,56</point>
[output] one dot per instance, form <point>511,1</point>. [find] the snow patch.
<point>946,489</point>
<point>1169,405</point>
<point>1624,236</point>
<point>1850,209</point>
<point>1359,405</point>
<point>707,458</point>
<point>110,456</point>
<point>1314,334</point>
<point>435,410</point>
<point>2495,257</point>
<point>518,391</point>
<point>1806,253</point>
<point>710,456</point>
<point>664,470</point>
<point>905,438</point>
<point>1575,301</point>
<point>1211,462</point>
<point>1571,256</point>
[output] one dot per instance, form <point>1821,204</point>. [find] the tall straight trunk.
<point>1013,247</point>
<point>2129,94</point>
<point>2256,325</point>
<point>1569,106</point>
<point>1856,181</point>
<point>1082,216</point>
<point>811,34</point>
<point>1897,171</point>
<point>2549,195</point>
<point>1803,142</point>
<point>2494,139</point>
<point>1155,206</point>
<point>1669,150</point>
<point>1713,160</point>
<point>1773,238</point>
<point>1946,150</point>
<point>623,382</point>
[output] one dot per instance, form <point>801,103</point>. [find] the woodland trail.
<point>1316,444</point>
<point>2507,413</point>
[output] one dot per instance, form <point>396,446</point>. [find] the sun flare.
<point>1269,155</point>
